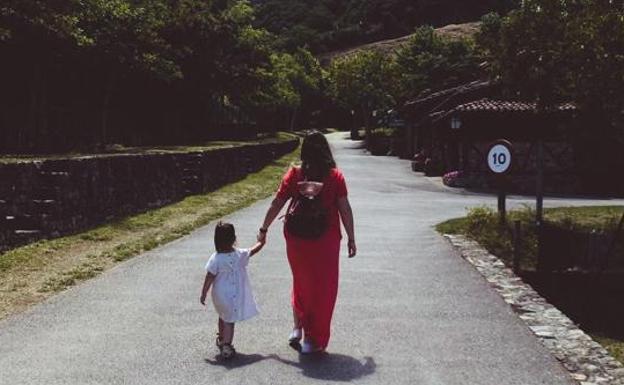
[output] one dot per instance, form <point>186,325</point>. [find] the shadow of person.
<point>330,366</point>
<point>237,361</point>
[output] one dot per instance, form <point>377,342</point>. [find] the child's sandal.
<point>227,351</point>
<point>219,341</point>
<point>294,340</point>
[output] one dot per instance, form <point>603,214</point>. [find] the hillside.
<point>388,46</point>
<point>332,25</point>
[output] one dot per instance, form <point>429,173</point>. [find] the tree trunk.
<point>293,117</point>
<point>108,94</point>
<point>367,127</point>
<point>43,139</point>
<point>31,115</point>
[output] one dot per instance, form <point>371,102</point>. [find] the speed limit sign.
<point>499,157</point>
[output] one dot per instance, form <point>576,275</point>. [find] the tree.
<point>432,62</point>
<point>293,80</point>
<point>556,51</point>
<point>362,82</point>
<point>527,50</point>
<point>131,71</point>
<point>327,25</point>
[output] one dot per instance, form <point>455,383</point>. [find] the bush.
<point>380,141</point>
<point>454,179</point>
<point>433,167</point>
<point>384,132</point>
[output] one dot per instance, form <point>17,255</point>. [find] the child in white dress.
<point>226,271</point>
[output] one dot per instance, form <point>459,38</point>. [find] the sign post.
<point>499,159</point>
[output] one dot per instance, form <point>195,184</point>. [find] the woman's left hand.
<point>352,248</point>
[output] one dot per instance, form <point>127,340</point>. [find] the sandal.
<point>309,348</point>
<point>294,340</point>
<point>227,351</point>
<point>219,341</point>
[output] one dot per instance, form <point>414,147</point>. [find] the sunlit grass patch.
<point>30,273</point>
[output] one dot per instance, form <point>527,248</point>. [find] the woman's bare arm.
<point>276,206</point>
<point>346,214</point>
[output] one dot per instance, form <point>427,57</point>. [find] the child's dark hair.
<point>224,237</point>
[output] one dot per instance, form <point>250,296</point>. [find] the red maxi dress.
<point>314,263</point>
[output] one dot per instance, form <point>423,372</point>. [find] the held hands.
<point>202,299</point>
<point>262,233</point>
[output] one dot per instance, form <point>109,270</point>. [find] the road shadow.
<point>334,367</point>
<point>239,361</point>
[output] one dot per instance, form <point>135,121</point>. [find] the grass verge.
<point>32,273</point>
<point>614,346</point>
<point>481,224</point>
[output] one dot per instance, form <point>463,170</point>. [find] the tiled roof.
<point>472,86</point>
<point>489,105</point>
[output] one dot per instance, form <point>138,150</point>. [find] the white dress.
<point>231,289</point>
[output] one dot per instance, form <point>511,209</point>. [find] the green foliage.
<point>432,62</point>
<point>557,51</point>
<point>567,51</point>
<point>291,86</point>
<point>586,218</point>
<point>362,81</point>
<point>482,224</point>
<point>158,226</point>
<point>326,25</point>
<point>384,132</point>
<point>615,346</point>
<point>139,72</point>
<point>369,80</point>
<point>290,78</point>
<point>528,47</point>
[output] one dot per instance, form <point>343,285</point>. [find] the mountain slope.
<point>453,31</point>
<point>329,25</point>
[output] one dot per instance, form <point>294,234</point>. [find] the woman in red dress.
<point>314,262</point>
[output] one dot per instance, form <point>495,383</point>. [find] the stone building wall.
<point>52,198</point>
<point>560,176</point>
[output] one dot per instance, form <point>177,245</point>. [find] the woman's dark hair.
<point>316,157</point>
<point>224,237</point>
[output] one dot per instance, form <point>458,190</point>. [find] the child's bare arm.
<point>207,283</point>
<point>256,248</point>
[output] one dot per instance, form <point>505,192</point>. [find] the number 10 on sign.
<point>499,158</point>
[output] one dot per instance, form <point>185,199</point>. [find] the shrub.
<point>454,179</point>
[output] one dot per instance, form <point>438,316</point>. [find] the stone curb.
<point>586,360</point>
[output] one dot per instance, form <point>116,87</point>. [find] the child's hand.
<point>257,247</point>
<point>202,299</point>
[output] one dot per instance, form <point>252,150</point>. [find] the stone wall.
<point>58,197</point>
<point>560,175</point>
<point>587,361</point>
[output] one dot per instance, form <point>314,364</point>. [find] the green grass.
<point>614,346</point>
<point>384,132</point>
<point>71,277</point>
<point>587,217</point>
<point>482,225</point>
<point>125,238</point>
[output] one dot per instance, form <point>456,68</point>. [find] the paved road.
<point>410,311</point>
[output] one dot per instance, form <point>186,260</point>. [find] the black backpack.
<point>306,217</point>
